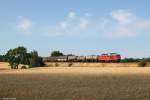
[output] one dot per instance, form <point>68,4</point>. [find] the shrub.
<point>56,53</point>
<point>56,64</point>
<point>126,60</point>
<point>70,64</point>
<point>142,63</point>
<point>23,67</point>
<point>50,65</point>
<point>35,60</point>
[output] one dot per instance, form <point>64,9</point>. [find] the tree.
<point>35,60</point>
<point>3,58</point>
<point>130,60</point>
<point>17,56</point>
<point>146,59</point>
<point>56,53</point>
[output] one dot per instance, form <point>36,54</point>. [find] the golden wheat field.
<point>75,83</point>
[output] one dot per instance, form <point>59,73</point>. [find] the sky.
<point>81,27</point>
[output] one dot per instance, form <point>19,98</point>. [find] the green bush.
<point>142,63</point>
<point>127,60</point>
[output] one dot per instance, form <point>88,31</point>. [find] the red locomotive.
<point>112,57</point>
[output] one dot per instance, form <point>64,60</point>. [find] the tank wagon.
<point>72,58</point>
<point>81,58</point>
<point>91,58</point>
<point>56,59</point>
<point>112,57</point>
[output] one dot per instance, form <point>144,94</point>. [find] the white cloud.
<point>122,16</point>
<point>71,25</point>
<point>83,23</point>
<point>72,14</point>
<point>124,23</point>
<point>24,25</point>
<point>143,24</point>
<point>63,25</point>
<point>119,24</point>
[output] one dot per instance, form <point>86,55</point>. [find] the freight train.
<point>112,57</point>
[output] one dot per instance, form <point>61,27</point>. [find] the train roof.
<point>57,57</point>
<point>110,54</point>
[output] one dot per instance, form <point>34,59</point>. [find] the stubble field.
<point>75,83</point>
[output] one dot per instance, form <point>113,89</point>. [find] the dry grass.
<point>81,64</point>
<point>76,83</point>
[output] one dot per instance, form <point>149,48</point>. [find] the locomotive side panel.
<point>109,57</point>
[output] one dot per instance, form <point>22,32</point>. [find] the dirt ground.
<point>4,66</point>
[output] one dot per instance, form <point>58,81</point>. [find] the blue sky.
<point>73,26</point>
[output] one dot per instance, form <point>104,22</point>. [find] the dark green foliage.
<point>56,53</point>
<point>3,58</point>
<point>35,60</point>
<point>70,55</point>
<point>19,55</point>
<point>146,59</point>
<point>135,60</point>
<point>130,60</point>
<point>142,63</point>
